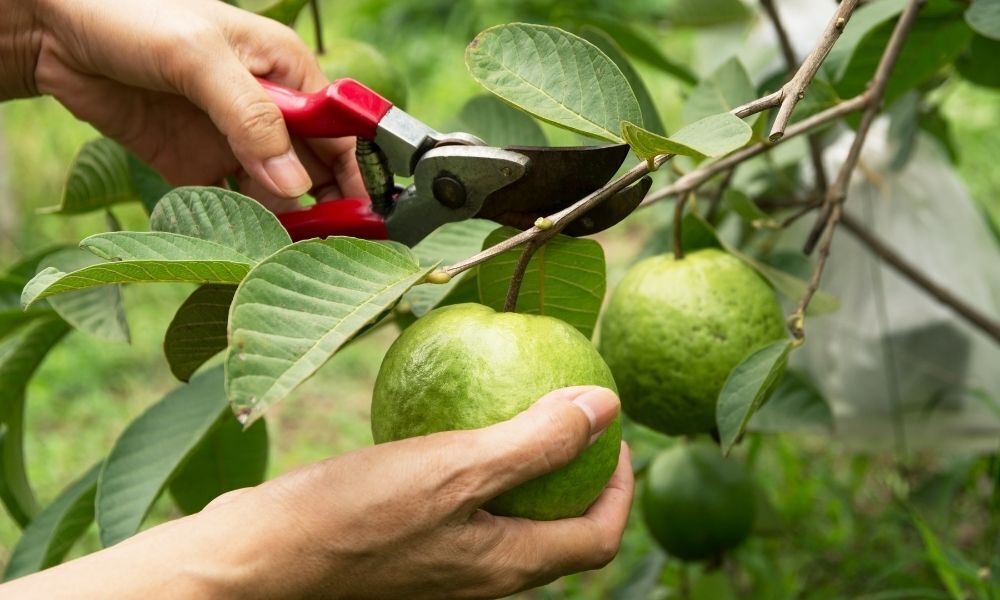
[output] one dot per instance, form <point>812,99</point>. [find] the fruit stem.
<point>678,218</point>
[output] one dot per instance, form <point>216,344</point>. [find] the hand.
<point>397,520</point>
<point>173,81</point>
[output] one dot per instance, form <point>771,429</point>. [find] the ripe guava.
<point>674,329</point>
<point>466,366</point>
<point>697,503</point>
<point>362,62</point>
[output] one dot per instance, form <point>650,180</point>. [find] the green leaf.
<point>742,205</point>
<point>705,13</point>
<point>227,459</point>
<point>25,268</point>
<point>983,16</point>
<point>21,353</point>
<point>565,279</point>
<point>932,44</point>
<point>98,177</point>
<point>949,565</point>
<point>635,43</point>
<point>447,245</point>
<point>555,76</point>
<point>97,311</point>
<point>747,388</point>
<point>978,65</point>
<point>284,11</point>
<point>795,405</point>
<point>724,89</point>
<point>499,124</point>
<point>606,44</point>
<point>198,329</point>
<point>865,19</point>
<point>298,307</point>
<point>150,450</point>
<point>221,216</point>
<point>147,184</point>
<point>50,535</point>
<point>712,136</point>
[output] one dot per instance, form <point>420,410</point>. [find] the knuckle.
<point>605,549</point>
<point>260,119</point>
<point>563,439</point>
<point>187,47</point>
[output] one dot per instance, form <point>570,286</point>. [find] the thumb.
<point>241,109</point>
<point>547,436</point>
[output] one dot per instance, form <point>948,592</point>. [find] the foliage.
<point>280,311</point>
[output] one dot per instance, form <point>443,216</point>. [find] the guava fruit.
<point>697,503</point>
<point>674,329</point>
<point>362,62</point>
<point>466,366</point>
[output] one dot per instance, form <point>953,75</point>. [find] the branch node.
<point>543,223</point>
<point>438,276</point>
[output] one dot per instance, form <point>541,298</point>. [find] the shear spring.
<point>379,182</point>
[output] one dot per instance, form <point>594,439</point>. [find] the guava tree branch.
<point>815,145</point>
<point>795,89</point>
<point>983,322</point>
<point>832,210</point>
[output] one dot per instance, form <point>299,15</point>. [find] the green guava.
<point>466,366</point>
<point>674,329</point>
<point>697,503</point>
<point>359,61</point>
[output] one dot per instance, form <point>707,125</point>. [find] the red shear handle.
<point>349,216</point>
<point>343,108</point>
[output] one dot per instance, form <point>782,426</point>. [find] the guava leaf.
<point>98,177</point>
<point>978,65</point>
<point>555,76</point>
<point>198,329</point>
<point>49,536</point>
<point>284,11</point>
<point>745,207</point>
<point>747,388</point>
<point>150,450</point>
<point>448,244</point>
<point>724,89</point>
<point>705,13</point>
<point>147,184</point>
<point>795,405</point>
<point>983,16</point>
<point>606,44</point>
<point>634,42</point>
<point>865,18</point>
<point>97,311</point>
<point>228,458</point>
<point>712,136</point>
<point>565,279</point>
<point>499,124</point>
<point>295,309</point>
<point>932,43</point>
<point>221,216</point>
<point>21,353</point>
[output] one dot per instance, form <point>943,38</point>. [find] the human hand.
<point>173,81</point>
<point>397,520</point>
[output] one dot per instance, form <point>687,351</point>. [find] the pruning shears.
<point>456,176</point>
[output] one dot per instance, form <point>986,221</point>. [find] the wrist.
<point>20,44</point>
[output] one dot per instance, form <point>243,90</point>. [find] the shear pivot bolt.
<point>449,191</point>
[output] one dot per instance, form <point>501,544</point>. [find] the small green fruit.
<point>362,62</point>
<point>674,329</point>
<point>466,366</point>
<point>697,503</point>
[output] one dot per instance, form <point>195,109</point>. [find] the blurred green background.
<point>830,524</point>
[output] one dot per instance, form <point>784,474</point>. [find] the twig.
<point>835,196</point>
<point>815,144</point>
<point>678,217</point>
<point>795,89</point>
<point>983,322</point>
<point>699,176</point>
<point>317,26</point>
<point>718,195</point>
<point>510,303</point>
<point>801,212</point>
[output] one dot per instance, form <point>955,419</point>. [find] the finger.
<point>541,551</point>
<point>242,111</point>
<point>547,436</point>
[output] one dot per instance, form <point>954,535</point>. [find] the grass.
<point>833,523</point>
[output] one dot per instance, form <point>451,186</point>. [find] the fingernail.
<point>601,406</point>
<point>288,174</point>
